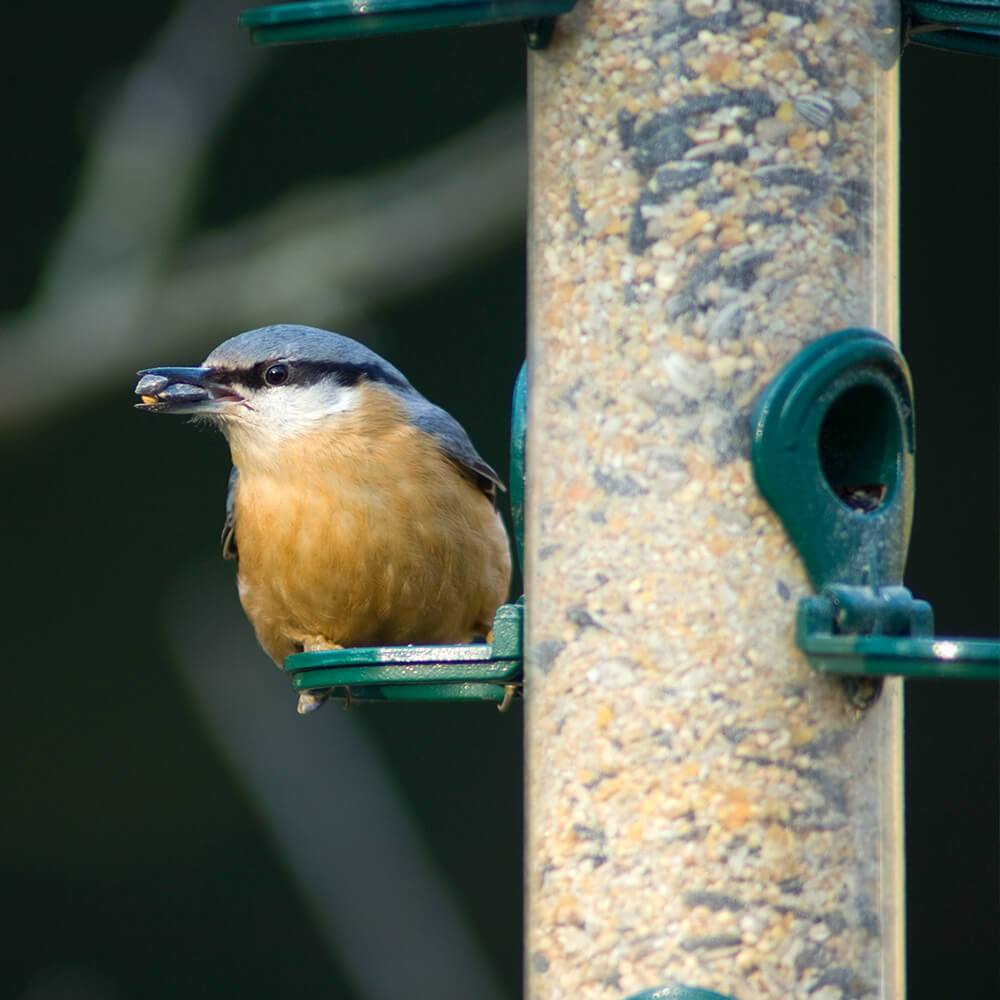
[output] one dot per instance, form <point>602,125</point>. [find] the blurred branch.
<point>145,158</point>
<point>119,293</point>
<point>335,250</point>
<point>137,182</point>
<point>322,257</point>
<point>334,812</point>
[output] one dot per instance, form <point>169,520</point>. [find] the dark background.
<point>131,862</point>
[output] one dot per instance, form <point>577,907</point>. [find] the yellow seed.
<point>785,112</point>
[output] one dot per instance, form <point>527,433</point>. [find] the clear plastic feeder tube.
<point>713,187</point>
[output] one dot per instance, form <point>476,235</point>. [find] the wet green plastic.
<point>833,453</point>
<point>327,20</point>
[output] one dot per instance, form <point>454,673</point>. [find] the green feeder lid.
<point>325,20</point>
<point>678,992</point>
<point>957,25</point>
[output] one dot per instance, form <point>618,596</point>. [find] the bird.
<point>358,512</point>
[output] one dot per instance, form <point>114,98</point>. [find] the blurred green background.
<point>141,853</point>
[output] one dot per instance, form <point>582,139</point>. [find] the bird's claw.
<point>509,690</point>
<point>309,702</point>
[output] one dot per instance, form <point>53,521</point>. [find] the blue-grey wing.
<point>229,528</point>
<point>454,442</point>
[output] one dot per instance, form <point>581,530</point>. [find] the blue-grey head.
<point>278,382</point>
<point>270,374</point>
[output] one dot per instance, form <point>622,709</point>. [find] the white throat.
<point>260,426</point>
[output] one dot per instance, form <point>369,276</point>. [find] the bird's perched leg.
<point>318,644</point>
<point>310,701</point>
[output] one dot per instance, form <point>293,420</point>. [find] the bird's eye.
<point>276,375</point>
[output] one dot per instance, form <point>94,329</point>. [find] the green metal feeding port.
<point>326,20</point>
<point>833,453</point>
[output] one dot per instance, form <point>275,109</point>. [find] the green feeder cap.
<point>678,993</point>
<point>326,20</point>
<point>957,25</point>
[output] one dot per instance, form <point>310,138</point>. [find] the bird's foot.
<point>309,702</point>
<point>318,644</point>
<point>509,693</point>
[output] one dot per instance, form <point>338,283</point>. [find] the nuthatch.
<point>360,513</point>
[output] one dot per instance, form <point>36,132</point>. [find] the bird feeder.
<point>713,193</point>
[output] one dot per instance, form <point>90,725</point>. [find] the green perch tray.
<point>475,672</point>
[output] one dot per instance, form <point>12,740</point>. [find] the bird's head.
<point>271,384</point>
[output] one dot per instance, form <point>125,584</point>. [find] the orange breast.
<point>363,534</point>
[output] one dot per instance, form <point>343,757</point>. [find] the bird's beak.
<point>182,390</point>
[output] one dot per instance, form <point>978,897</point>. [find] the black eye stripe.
<point>306,373</point>
<point>310,372</point>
